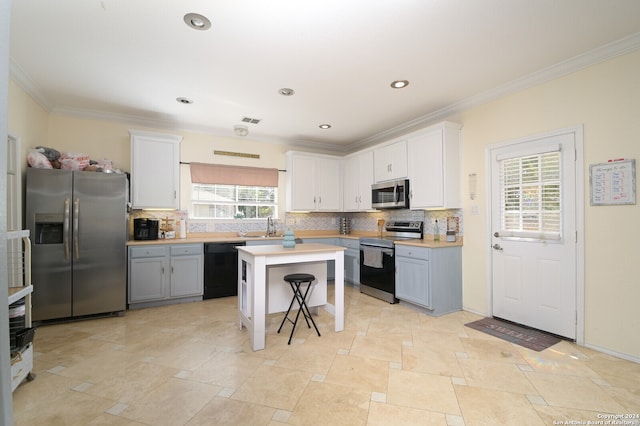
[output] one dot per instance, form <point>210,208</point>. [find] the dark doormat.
<point>520,335</point>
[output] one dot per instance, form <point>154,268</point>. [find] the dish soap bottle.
<point>436,232</point>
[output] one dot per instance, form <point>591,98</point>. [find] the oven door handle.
<point>386,251</point>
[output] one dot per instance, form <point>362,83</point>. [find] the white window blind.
<point>531,196</point>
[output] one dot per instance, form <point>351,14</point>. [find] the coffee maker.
<point>145,229</point>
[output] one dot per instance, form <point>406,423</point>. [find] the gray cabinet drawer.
<point>147,251</point>
<point>186,249</point>
<point>349,243</point>
<point>413,252</point>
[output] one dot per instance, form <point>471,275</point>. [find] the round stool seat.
<point>299,278</point>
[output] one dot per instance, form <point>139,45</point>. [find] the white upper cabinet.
<point>155,170</point>
<point>434,167</point>
<point>391,161</point>
<point>358,177</point>
<point>313,182</point>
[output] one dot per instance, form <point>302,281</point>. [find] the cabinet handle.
<point>162,270</point>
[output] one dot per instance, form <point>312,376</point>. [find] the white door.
<point>533,229</point>
<point>14,176</point>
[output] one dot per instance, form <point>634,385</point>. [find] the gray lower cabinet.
<point>163,274</point>
<point>430,278</point>
<point>351,260</point>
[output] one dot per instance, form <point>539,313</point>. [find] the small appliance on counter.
<point>145,229</point>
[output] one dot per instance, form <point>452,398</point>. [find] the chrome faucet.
<point>271,227</point>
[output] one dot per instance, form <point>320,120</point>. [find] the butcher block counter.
<point>261,289</point>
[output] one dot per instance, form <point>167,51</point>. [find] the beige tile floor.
<point>190,364</point>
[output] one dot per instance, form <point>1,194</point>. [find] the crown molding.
<point>579,62</point>
<point>571,65</point>
<point>28,85</point>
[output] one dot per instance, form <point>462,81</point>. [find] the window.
<point>531,196</point>
<point>217,201</point>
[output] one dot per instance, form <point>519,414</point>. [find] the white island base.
<point>262,291</point>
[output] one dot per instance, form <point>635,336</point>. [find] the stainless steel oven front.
<point>378,271</point>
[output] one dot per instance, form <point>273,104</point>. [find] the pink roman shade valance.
<point>233,175</point>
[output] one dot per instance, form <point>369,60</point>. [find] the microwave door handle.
<point>395,194</point>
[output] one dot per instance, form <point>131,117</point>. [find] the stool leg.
<point>286,316</point>
<point>308,313</point>
<point>296,296</point>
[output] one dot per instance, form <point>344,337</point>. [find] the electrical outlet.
<point>291,221</point>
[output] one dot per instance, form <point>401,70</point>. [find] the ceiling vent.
<point>251,120</point>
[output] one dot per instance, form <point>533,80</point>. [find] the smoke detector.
<point>241,130</point>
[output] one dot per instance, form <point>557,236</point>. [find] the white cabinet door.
<point>301,186</point>
<point>155,170</point>
<point>358,179</point>
<point>434,167</point>
<point>391,161</point>
<point>351,183</point>
<point>314,183</point>
<point>328,185</point>
<point>186,276</point>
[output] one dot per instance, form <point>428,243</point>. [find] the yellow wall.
<point>605,99</point>
<point>102,139</point>
<point>27,120</point>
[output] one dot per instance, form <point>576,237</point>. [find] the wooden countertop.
<point>229,237</point>
<point>278,249</point>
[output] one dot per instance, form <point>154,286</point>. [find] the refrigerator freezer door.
<point>99,239</point>
<point>47,195</point>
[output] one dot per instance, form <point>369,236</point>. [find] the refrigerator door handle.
<point>76,211</point>
<point>65,229</point>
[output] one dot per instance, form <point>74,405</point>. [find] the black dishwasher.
<point>221,269</point>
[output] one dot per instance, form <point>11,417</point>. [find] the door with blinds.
<point>534,233</point>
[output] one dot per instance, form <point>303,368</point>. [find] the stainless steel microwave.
<point>393,194</point>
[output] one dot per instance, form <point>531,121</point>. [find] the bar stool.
<point>295,281</point>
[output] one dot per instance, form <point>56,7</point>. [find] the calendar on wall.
<point>613,183</point>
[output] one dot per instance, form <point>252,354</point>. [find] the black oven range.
<point>377,259</point>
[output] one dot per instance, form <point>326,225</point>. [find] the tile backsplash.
<point>317,221</point>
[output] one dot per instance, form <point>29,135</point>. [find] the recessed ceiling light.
<point>184,100</point>
<point>197,21</point>
<point>399,84</point>
<point>325,126</point>
<point>286,91</point>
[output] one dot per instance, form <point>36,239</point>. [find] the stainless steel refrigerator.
<point>78,224</point>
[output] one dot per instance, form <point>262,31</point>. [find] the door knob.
<point>496,234</point>
<point>497,247</point>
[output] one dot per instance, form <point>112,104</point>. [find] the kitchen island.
<point>253,282</point>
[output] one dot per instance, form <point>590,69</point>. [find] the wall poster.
<point>613,183</point>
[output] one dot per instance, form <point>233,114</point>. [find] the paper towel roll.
<point>183,229</point>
